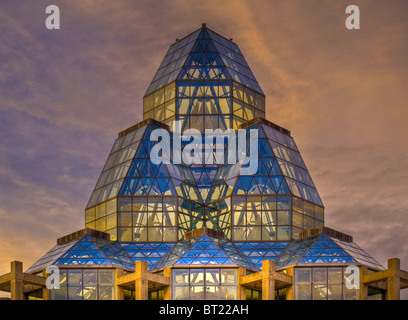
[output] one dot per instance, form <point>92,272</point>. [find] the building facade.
<point>179,213</point>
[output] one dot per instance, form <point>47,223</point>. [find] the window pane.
<point>319,292</point>
<point>154,234</point>
<point>283,217</point>
<point>59,294</point>
<point>181,293</point>
<point>268,233</point>
<point>63,277</point>
<point>228,276</point>
<point>335,276</point>
<point>106,277</point>
<point>74,277</point>
<point>111,221</point>
<point>90,293</point>
<point>303,275</point>
<point>212,292</point>
<point>335,292</point>
<point>197,293</point>
<point>320,275</point>
<point>90,277</point>
<point>303,292</point>
<point>74,293</point>
<point>106,293</point>
<point>228,292</point>
<point>254,233</point>
<point>197,276</point>
<point>180,276</point>
<point>170,234</point>
<point>125,234</point>
<point>284,233</point>
<point>139,234</point>
<point>212,276</point>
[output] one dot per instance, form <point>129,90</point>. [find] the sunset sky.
<point>65,94</point>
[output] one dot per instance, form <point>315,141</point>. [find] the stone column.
<point>393,280</point>
<point>168,289</point>
<point>268,282</point>
<point>119,293</point>
<point>16,283</point>
<point>141,283</point>
<point>241,290</point>
<point>46,293</point>
<point>290,290</point>
<point>363,294</point>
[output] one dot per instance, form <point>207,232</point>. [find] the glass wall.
<point>142,219</point>
<point>256,218</point>
<point>85,284</point>
<point>323,283</point>
<point>204,284</point>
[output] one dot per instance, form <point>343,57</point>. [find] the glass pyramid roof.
<point>281,170</point>
<point>205,250</point>
<point>88,250</point>
<point>149,252</point>
<point>260,251</point>
<point>204,54</point>
<point>322,249</point>
<point>129,171</point>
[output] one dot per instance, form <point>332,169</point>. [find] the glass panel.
<point>90,293</point>
<point>228,292</point>
<point>303,292</point>
<point>106,293</point>
<point>181,276</point>
<point>197,293</point>
<point>125,234</point>
<point>320,291</point>
<point>320,275</point>
<point>74,293</point>
<point>154,234</point>
<point>297,219</point>
<point>111,206</point>
<point>169,234</point>
<point>90,277</point>
<point>335,275</point>
<point>197,276</point>
<point>111,221</point>
<point>269,233</point>
<point>106,277</point>
<point>228,276</point>
<point>181,293</point>
<point>303,275</point>
<point>335,291</point>
<point>283,217</point>
<point>212,276</point>
<point>212,292</point>
<point>75,277</point>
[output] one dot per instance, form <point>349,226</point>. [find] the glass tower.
<point>205,221</point>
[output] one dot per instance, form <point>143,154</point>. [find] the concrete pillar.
<point>168,289</point>
<point>16,283</point>
<point>268,282</point>
<point>119,293</point>
<point>141,283</point>
<point>393,280</point>
<point>290,290</point>
<point>241,295</point>
<point>46,293</point>
<point>363,294</point>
